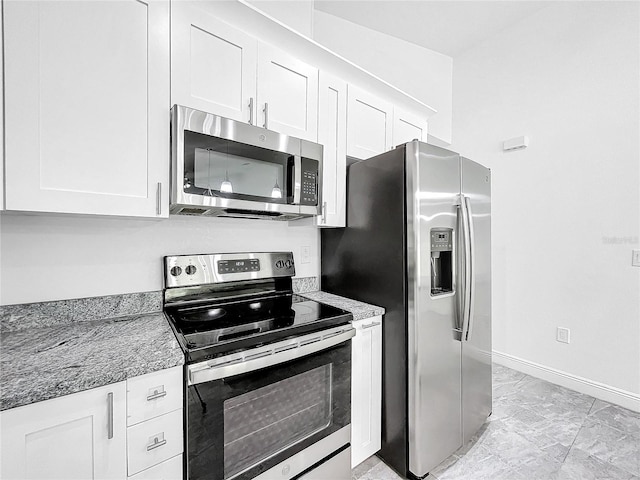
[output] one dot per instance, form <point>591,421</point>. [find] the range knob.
<point>175,271</point>
<point>191,269</point>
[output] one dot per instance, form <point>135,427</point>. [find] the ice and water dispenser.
<point>441,261</point>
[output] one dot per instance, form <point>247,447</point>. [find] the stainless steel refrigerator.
<point>417,242</point>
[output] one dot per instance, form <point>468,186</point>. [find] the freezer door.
<point>434,346</point>
<point>476,348</point>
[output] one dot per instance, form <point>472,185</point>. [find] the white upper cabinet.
<point>407,127</point>
<point>86,107</point>
<point>213,65</point>
<point>220,69</point>
<point>287,94</point>
<point>332,134</point>
<point>369,124</point>
<point>76,437</point>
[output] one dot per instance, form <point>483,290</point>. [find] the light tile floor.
<point>539,431</point>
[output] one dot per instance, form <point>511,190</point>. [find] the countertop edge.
<point>359,310</point>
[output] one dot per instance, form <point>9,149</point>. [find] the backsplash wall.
<point>48,257</point>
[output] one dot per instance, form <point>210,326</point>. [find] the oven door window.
<point>241,426</point>
<point>223,168</point>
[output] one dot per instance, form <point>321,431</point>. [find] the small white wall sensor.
<point>516,143</point>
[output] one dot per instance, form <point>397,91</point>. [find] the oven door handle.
<point>271,355</point>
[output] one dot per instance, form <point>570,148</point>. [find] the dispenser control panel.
<point>441,240</point>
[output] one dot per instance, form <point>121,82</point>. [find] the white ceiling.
<point>446,26</point>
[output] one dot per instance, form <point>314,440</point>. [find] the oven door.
<point>240,426</point>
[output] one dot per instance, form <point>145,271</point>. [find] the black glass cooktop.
<point>208,331</point>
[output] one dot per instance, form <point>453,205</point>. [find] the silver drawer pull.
<point>374,324</point>
<point>157,393</point>
<point>158,441</point>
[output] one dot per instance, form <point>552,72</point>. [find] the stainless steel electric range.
<point>267,374</point>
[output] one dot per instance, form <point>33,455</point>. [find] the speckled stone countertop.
<point>57,348</point>
<point>359,310</point>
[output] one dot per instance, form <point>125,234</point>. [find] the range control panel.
<point>191,270</point>
<point>237,266</point>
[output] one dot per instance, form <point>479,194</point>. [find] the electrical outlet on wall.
<point>635,258</point>
<point>563,335</point>
<point>305,254</point>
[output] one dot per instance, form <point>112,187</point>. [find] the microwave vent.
<point>191,211</point>
<point>253,213</point>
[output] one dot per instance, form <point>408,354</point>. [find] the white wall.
<point>47,257</point>
<point>296,14</point>
<point>422,73</point>
<point>566,211</point>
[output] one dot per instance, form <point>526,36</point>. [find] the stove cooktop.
<point>211,330</point>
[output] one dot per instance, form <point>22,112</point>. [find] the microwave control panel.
<point>309,182</point>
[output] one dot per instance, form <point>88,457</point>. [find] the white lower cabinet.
<point>155,425</point>
<point>366,389</point>
<point>75,437</point>
<point>87,435</point>
<point>151,442</point>
<point>168,470</point>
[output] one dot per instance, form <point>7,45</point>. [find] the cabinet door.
<point>332,134</point>
<point>287,94</point>
<point>168,470</point>
<point>366,389</point>
<point>369,124</point>
<point>75,437</point>
<point>213,65</point>
<point>86,118</point>
<point>407,127</point>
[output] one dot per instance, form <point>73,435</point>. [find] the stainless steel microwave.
<point>220,167</point>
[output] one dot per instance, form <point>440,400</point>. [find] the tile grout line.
<point>578,433</point>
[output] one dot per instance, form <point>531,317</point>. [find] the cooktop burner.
<point>216,309</point>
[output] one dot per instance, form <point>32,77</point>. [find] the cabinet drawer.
<point>168,470</point>
<point>154,394</point>
<point>154,441</point>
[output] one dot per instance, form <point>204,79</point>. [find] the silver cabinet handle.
<point>251,111</point>
<point>372,324</point>
<point>157,394</point>
<point>110,415</point>
<point>324,212</point>
<point>159,199</point>
<point>266,115</point>
<point>157,442</point>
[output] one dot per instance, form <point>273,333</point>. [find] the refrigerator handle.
<point>459,304</point>
<point>466,290</point>
<point>472,267</point>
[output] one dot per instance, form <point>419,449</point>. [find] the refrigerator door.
<point>476,348</point>
<point>434,346</point>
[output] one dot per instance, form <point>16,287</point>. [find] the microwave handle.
<point>297,178</point>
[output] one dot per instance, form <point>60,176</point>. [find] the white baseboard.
<point>604,392</point>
